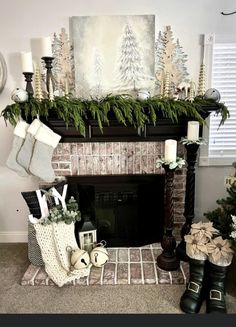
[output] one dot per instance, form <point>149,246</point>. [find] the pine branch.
<point>125,108</point>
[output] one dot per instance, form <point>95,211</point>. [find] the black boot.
<point>193,296</point>
<point>215,302</point>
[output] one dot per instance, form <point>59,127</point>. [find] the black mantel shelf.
<point>164,129</point>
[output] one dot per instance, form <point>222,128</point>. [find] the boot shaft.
<point>216,276</point>
<point>197,270</point>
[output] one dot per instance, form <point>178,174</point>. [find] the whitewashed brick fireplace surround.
<point>120,158</point>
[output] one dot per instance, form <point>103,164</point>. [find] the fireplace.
<point>127,210</point>
<point>121,175</point>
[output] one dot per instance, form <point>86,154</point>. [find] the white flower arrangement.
<point>172,164</point>
<point>204,242</point>
<point>233,225</point>
<point>200,141</point>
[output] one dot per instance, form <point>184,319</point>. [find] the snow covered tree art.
<point>130,63</point>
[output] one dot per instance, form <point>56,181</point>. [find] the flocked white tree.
<point>180,60</point>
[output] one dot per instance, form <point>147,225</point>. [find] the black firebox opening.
<point>126,210</point>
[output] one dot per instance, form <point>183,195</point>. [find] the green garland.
<point>126,110</point>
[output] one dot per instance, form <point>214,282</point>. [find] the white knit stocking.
<point>64,236</point>
<point>50,247</point>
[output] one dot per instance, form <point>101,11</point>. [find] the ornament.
<point>99,255</point>
<point>143,95</point>
<point>79,258</point>
<point>213,94</point>
<point>19,95</point>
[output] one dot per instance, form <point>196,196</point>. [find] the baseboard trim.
<point>14,237</point>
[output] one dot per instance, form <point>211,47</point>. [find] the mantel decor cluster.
<point>125,109</point>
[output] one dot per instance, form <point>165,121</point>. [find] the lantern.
<point>87,235</point>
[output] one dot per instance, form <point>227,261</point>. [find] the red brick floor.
<point>125,266</point>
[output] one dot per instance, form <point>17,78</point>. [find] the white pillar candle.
<point>193,130</point>
<point>46,46</point>
<point>27,62</point>
<point>170,150</point>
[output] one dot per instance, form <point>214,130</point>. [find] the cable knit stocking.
<point>53,241</point>
<point>64,236</point>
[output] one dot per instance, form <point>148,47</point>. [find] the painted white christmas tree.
<point>97,90</point>
<point>130,67</point>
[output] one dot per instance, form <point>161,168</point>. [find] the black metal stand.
<point>29,88</point>
<point>49,77</point>
<point>192,150</point>
<point>167,260</point>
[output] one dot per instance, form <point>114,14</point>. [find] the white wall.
<point>20,22</point>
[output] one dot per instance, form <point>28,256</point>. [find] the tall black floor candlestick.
<point>167,260</point>
<point>49,77</point>
<point>192,150</point>
<point>29,88</point>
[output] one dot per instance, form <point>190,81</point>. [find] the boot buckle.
<point>215,295</point>
<point>194,287</point>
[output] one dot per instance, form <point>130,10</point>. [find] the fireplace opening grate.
<point>126,210</point>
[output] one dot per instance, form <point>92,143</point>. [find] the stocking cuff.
<point>21,129</point>
<point>47,137</point>
<point>34,126</point>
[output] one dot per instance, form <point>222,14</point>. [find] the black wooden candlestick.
<point>49,77</point>
<point>192,150</point>
<point>29,88</point>
<point>167,260</point>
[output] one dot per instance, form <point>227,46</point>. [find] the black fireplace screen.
<point>126,210</point>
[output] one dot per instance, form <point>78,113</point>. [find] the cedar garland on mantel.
<point>124,108</point>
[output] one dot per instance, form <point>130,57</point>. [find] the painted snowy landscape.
<point>113,54</point>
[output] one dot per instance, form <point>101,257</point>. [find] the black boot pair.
<point>206,282</point>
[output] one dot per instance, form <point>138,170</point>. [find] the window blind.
<point>222,141</point>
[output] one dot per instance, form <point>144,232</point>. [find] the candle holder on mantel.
<point>168,260</point>
<point>49,77</point>
<point>29,88</point>
<point>192,151</point>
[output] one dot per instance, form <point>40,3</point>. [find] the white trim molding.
<point>14,237</point>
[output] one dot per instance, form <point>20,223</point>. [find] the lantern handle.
<point>102,243</point>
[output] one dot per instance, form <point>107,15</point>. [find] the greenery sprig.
<point>178,163</point>
<point>200,141</point>
<point>58,213</point>
<point>125,108</point>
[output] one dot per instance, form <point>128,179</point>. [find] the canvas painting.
<point>113,54</point>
